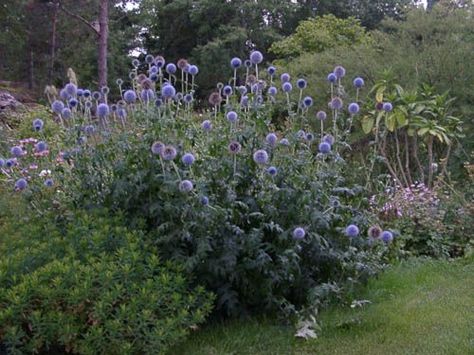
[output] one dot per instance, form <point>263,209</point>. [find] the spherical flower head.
<point>328,138</point>
<point>336,103</point>
<point>272,91</point>
<point>96,95</point>
<point>121,113</point>
<point>57,106</point>
<point>66,113</point>
<point>182,63</point>
<point>154,77</point>
<point>285,142</point>
<point>271,139</point>
<point>272,170</point>
<point>186,186</point>
<point>387,107</point>
<point>374,232</point>
<point>301,134</point>
<point>242,90</point>
<point>301,83</point>
<point>188,98</point>
<point>386,236</point>
<point>2,163</point>
<point>193,70</point>
<point>235,63</point>
<point>38,124</point>
<point>308,101</point>
<point>256,57</point>
<point>339,71</point>
<point>206,126</point>
<point>285,77</point>
<point>287,87</point>
<point>48,182</point>
<point>271,70</point>
<point>103,110</point>
<point>171,68</point>
<point>119,82</point>
<point>104,90</point>
<point>321,115</point>
<point>352,231</point>
<point>157,147</point>
<point>215,99</point>
<point>73,103</point>
<point>17,151</point>
<point>130,96</point>
<point>298,233</point>
<point>158,102</point>
<point>90,129</point>
<point>136,63</point>
<point>168,91</point>
<point>227,90</point>
<point>232,116</point>
<point>204,200</point>
<point>149,59</point>
<point>71,89</point>
<point>63,94</point>
<point>260,157</point>
<point>244,101</point>
<point>10,163</point>
<point>21,184</point>
<point>147,95</point>
<point>80,92</point>
<point>160,61</point>
<point>332,78</point>
<point>353,108</point>
<point>358,82</point>
<point>41,147</point>
<point>247,63</point>
<point>87,93</point>
<point>324,147</point>
<point>309,137</point>
<point>234,147</point>
<point>188,159</point>
<point>168,153</point>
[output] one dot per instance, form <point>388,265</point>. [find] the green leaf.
<point>367,124</point>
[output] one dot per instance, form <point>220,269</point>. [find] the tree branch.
<point>80,18</point>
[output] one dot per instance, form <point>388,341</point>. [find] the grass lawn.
<point>418,307</point>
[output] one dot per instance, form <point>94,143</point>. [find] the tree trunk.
<point>103,39</point>
<point>53,43</point>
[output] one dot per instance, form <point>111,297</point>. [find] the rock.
<point>8,102</point>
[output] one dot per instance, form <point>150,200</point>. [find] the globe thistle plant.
<point>298,233</point>
<point>352,231</point>
<point>260,157</point>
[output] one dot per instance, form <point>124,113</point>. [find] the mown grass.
<point>418,307</point>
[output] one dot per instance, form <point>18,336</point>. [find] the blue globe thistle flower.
<point>324,147</point>
<point>301,83</point>
<point>235,63</point>
<point>301,134</point>
<point>149,59</point>
<point>186,186</point>
<point>41,146</point>
<point>287,87</point>
<point>260,157</point>
<point>386,236</point>
<point>154,77</point>
<point>308,101</point>
<point>272,91</point>
<point>71,89</point>
<point>168,153</point>
<point>87,93</point>
<point>119,82</point>
<point>352,231</point>
<point>232,116</point>
<point>285,142</point>
<point>374,232</point>
<point>103,110</point>
<point>96,95</point>
<point>332,78</point>
<point>358,82</point>
<point>387,107</point>
<point>256,57</point>
<point>80,92</point>
<point>354,108</point>
<point>16,151</point>
<point>309,137</point>
<point>188,159</point>
<point>160,61</point>
<point>193,70</point>
<point>186,68</point>
<point>147,95</point>
<point>321,115</point>
<point>10,162</point>
<point>154,69</point>
<point>114,107</point>
<point>328,138</point>
<point>206,125</point>
<point>271,70</point>
<point>57,106</point>
<point>227,90</point>
<point>157,147</point>
<point>272,170</point>
<point>178,97</point>
<point>285,77</point>
<point>136,63</point>
<point>339,71</point>
<point>204,200</point>
<point>90,129</point>
<point>63,94</point>
<point>234,147</point>
<point>38,124</point>
<point>244,101</point>
<point>104,90</point>
<point>2,162</point>
<point>271,139</point>
<point>336,103</point>
<point>247,63</point>
<point>158,102</point>
<point>73,103</point>
<point>171,68</point>
<point>242,90</point>
<point>21,184</point>
<point>168,91</point>
<point>121,113</point>
<point>66,113</point>
<point>298,233</point>
<point>188,98</point>
<point>48,182</point>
